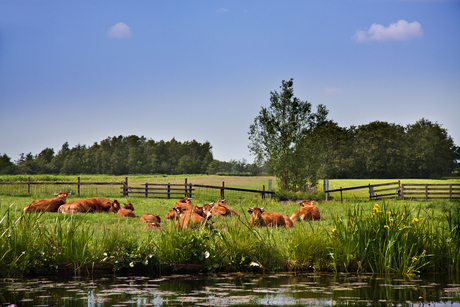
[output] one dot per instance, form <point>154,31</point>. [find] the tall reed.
<point>381,240</point>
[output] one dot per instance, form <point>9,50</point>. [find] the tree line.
<point>300,146</point>
<point>116,156</point>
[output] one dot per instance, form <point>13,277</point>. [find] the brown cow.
<point>95,204</point>
<point>220,209</point>
<point>185,200</point>
<point>153,225</point>
<point>261,218</point>
<point>47,205</point>
<point>150,218</point>
<point>307,211</point>
<point>193,218</point>
<point>172,215</point>
<point>126,211</point>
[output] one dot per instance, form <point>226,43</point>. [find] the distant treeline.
<point>116,156</point>
<point>375,150</point>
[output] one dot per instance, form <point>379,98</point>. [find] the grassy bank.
<point>386,237</point>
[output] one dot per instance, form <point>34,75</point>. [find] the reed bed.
<point>392,237</point>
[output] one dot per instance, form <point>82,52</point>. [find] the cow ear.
<point>250,210</point>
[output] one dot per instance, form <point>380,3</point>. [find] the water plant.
<point>384,239</point>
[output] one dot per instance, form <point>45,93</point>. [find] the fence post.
<point>341,196</point>
<point>169,190</point>
<point>263,192</point>
<point>326,188</point>
<point>78,185</point>
<point>146,190</point>
<point>222,194</point>
<point>450,192</point>
<point>371,192</point>
<point>270,188</point>
<point>185,188</point>
<point>426,192</point>
<point>28,185</point>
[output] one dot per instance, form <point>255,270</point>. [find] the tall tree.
<point>6,166</point>
<point>277,132</point>
<point>431,152</point>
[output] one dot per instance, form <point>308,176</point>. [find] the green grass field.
<point>395,236</point>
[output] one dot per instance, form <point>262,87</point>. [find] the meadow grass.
<point>384,237</point>
<point>392,237</point>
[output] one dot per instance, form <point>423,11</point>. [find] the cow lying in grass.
<point>95,204</point>
<point>153,221</point>
<point>262,218</point>
<point>192,218</point>
<point>150,218</point>
<point>126,211</point>
<point>47,205</point>
<point>307,211</point>
<point>220,209</point>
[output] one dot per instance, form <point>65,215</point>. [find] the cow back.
<point>309,213</point>
<point>46,205</point>
<point>190,219</point>
<point>72,207</point>
<point>150,218</point>
<point>124,212</point>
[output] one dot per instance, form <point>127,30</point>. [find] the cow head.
<point>304,203</point>
<point>171,215</point>
<point>128,206</point>
<point>62,194</point>
<point>256,213</point>
<point>209,213</point>
<point>186,200</point>
<point>207,207</point>
<point>114,207</point>
<point>158,218</point>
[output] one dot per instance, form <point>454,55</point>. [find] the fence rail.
<point>169,190</point>
<point>430,191</point>
<point>406,191</point>
<point>147,190</point>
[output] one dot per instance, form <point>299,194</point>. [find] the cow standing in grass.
<point>47,205</point>
<point>262,218</point>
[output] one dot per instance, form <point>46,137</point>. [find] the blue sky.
<point>82,71</point>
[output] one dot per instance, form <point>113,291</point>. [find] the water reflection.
<point>235,290</point>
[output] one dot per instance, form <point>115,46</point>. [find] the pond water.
<point>234,290</point>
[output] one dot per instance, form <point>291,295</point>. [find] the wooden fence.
<point>147,190</point>
<point>78,187</point>
<point>430,191</point>
<point>177,191</point>
<point>397,190</point>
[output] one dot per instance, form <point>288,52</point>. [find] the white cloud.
<point>120,30</point>
<point>222,10</point>
<point>399,31</point>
